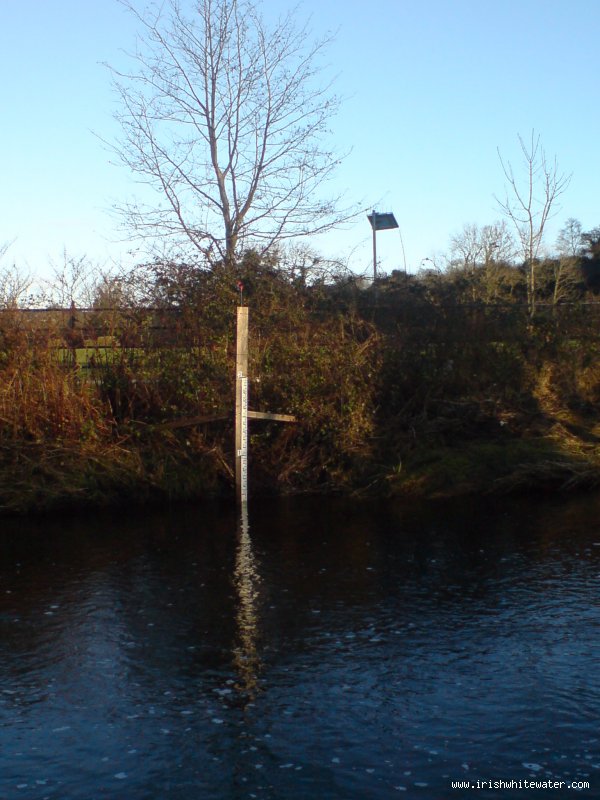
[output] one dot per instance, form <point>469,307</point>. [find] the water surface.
<point>330,650</point>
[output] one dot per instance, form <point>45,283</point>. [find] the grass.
<point>499,467</point>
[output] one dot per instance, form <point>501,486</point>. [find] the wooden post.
<point>242,414</point>
<point>241,407</point>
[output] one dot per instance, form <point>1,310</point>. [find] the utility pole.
<point>374,249</point>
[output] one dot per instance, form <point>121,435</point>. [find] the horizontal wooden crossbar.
<point>271,417</point>
<point>189,421</point>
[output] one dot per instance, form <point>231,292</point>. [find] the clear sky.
<point>432,87</point>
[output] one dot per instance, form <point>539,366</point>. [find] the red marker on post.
<point>240,287</point>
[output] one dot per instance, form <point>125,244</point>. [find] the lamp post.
<point>380,222</point>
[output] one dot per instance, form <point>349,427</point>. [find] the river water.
<point>321,650</point>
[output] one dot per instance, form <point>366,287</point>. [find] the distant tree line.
<point>485,264</point>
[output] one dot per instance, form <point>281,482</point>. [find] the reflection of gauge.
<point>247,582</point>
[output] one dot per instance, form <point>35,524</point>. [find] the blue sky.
<point>432,88</point>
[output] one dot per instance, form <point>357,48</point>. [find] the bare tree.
<point>565,267</point>
<point>73,282</point>
<point>483,255</point>
<point>476,247</point>
<point>466,248</point>
<point>15,284</point>
<point>569,242</point>
<point>304,266</point>
<point>529,203</point>
<point>15,287</point>
<point>225,118</point>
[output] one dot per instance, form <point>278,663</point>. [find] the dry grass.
<point>41,400</point>
<point>378,411</point>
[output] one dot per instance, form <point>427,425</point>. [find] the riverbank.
<point>37,478</point>
<point>399,393</point>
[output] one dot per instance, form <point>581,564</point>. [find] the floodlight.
<point>380,222</point>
